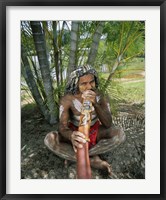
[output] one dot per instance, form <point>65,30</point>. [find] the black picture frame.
<point>3,120</point>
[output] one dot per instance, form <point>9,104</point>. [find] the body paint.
<point>108,105</point>
<point>98,98</point>
<point>61,109</point>
<point>77,105</point>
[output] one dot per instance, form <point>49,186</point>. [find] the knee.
<point>51,138</point>
<point>122,135</point>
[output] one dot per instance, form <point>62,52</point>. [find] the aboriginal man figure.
<point>83,83</point>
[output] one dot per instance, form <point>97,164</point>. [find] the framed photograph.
<point>130,40</point>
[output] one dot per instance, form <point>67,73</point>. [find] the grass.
<point>132,92</point>
<point>128,70</point>
<point>128,83</point>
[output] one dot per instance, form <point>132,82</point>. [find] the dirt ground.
<point>37,162</point>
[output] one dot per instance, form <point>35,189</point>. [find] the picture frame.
<point>3,100</point>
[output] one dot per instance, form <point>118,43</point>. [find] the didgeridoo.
<point>83,161</point>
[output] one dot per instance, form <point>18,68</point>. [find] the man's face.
<point>86,82</point>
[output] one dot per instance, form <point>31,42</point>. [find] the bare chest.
<point>76,107</point>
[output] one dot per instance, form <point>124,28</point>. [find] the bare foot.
<point>97,163</point>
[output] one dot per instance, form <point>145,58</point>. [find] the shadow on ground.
<point>37,162</point>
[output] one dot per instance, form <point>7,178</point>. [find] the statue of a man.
<point>104,136</point>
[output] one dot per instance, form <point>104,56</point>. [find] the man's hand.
<point>90,95</point>
<point>77,138</point>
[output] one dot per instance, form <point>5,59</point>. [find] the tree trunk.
<point>73,46</point>
<point>38,80</point>
<point>27,73</point>
<point>95,43</point>
<point>56,51</point>
<point>40,45</point>
<point>116,64</point>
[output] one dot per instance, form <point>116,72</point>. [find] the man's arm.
<point>64,117</point>
<point>75,137</point>
<point>101,106</point>
<point>103,111</point>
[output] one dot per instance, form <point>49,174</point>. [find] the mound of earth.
<point>37,162</point>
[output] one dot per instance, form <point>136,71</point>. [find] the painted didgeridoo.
<point>83,160</point>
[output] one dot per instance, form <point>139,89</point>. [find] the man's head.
<point>86,82</point>
<point>81,79</point>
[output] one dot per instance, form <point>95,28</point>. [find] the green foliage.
<point>133,92</point>
<point>58,90</point>
<point>128,88</point>
<point>126,38</point>
<point>113,90</point>
<point>27,39</point>
<point>132,69</point>
<point>86,32</point>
